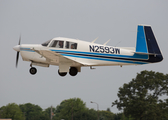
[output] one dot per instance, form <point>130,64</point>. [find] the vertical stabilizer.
<point>147,44</point>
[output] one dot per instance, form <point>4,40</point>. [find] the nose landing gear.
<point>33,70</point>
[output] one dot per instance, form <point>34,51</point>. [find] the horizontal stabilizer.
<point>142,53</point>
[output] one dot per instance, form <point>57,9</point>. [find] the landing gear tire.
<point>73,71</point>
<point>62,73</point>
<point>33,70</point>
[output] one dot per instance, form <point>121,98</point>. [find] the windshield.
<point>46,43</point>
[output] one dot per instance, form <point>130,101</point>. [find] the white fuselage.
<point>90,54</point>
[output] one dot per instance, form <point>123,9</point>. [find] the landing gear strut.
<point>33,70</point>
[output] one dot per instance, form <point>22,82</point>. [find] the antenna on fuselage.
<point>117,44</point>
<point>95,40</point>
<point>106,42</point>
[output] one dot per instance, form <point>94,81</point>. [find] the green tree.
<point>87,114</point>
<point>72,108</point>
<point>141,97</point>
<point>59,108</point>
<point>106,115</point>
<point>12,111</point>
<point>31,111</point>
<point>47,113</point>
<point>108,109</point>
<point>118,116</point>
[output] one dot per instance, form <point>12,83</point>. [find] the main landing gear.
<point>62,73</point>
<point>73,71</point>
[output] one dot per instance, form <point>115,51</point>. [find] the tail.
<point>147,44</point>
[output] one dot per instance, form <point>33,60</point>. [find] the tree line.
<point>140,99</point>
<point>70,109</point>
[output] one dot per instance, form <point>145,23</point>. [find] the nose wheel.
<point>33,70</point>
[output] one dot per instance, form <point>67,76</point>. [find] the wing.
<point>57,58</point>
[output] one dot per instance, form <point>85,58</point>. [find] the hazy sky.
<point>40,20</point>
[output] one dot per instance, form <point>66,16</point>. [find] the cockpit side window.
<point>46,43</point>
<point>57,44</point>
<point>71,45</point>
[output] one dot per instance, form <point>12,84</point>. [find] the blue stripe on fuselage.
<point>135,56</point>
<point>106,57</point>
<point>26,49</point>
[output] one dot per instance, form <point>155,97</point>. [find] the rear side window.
<point>71,45</point>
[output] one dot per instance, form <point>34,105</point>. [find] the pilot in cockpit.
<point>61,44</point>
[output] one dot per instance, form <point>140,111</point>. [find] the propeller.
<point>17,48</point>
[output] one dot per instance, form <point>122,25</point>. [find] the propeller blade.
<point>19,40</point>
<point>17,55</point>
<point>17,59</point>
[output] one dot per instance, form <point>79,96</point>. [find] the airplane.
<point>72,54</point>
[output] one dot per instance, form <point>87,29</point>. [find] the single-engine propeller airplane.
<point>72,54</point>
